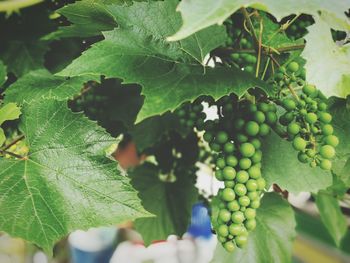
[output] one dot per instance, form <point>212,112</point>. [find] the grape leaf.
<point>281,166</point>
<point>170,202</point>
<point>88,18</point>
<point>66,182</point>
<point>148,132</point>
<point>3,73</point>
<point>170,73</point>
<point>331,215</point>
<point>199,14</point>
<point>272,239</point>
<point>42,84</point>
<point>9,112</point>
<point>341,124</point>
<point>329,72</point>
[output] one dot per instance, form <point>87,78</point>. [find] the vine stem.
<point>251,27</point>
<point>265,68</point>
<point>259,50</point>
<point>12,143</point>
<point>13,154</point>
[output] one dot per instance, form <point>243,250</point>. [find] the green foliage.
<point>286,166</point>
<point>272,239</point>
<point>170,202</point>
<point>8,112</point>
<point>3,73</point>
<point>66,181</point>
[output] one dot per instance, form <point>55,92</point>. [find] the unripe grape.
<point>293,128</point>
<point>264,129</point>
<point>247,149</point>
<point>256,143</point>
<point>325,117</point>
<point>220,163</point>
<point>327,151</point>
<point>299,144</point>
<point>259,117</point>
<point>241,240</point>
<point>242,176</point>
<point>311,153</point>
<point>229,173</point>
<point>222,137</point>
<point>252,128</point>
<point>309,89</point>
<point>250,213</point>
<point>252,185</point>
<point>233,205</point>
<point>331,140</point>
<point>327,129</point>
<point>250,224</point>
<point>237,217</point>
<point>238,124</point>
<point>222,230</point>
<point>245,163</point>
<point>244,201</point>
<point>326,164</point>
<point>256,158</point>
<point>322,106</point>
<point>229,184</point>
<point>229,147</point>
<point>242,138</point>
<point>289,104</point>
<point>271,118</point>
<point>229,246</point>
<point>240,189</point>
<point>224,215</point>
<point>231,160</point>
<point>253,195</point>
<point>228,195</point>
<point>255,204</point>
<point>214,147</point>
<point>311,117</point>
<point>219,175</point>
<point>262,106</point>
<point>293,66</point>
<point>222,239</point>
<point>235,229</point>
<point>261,183</point>
<point>254,172</point>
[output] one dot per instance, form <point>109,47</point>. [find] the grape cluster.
<point>307,121</point>
<point>235,138</point>
<point>298,28</point>
<point>191,114</point>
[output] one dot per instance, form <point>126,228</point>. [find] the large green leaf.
<point>3,73</point>
<point>170,73</point>
<point>42,84</point>
<point>331,215</point>
<point>88,18</point>
<point>281,166</point>
<point>272,239</point>
<point>66,182</point>
<point>171,202</point>
<point>330,71</point>
<point>199,14</point>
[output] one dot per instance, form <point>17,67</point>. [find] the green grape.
<point>219,175</point>
<point>271,118</point>
<point>250,224</point>
<point>229,147</point>
<point>325,117</point>
<point>293,128</point>
<point>293,66</point>
<point>247,149</point>
<point>264,130</point>
<point>259,117</point>
<point>311,153</point>
<point>253,195</point>
<point>239,124</point>
<point>326,164</point>
<point>262,106</point>
<point>327,151</point>
<point>229,184</point>
<point>220,163</point>
<point>302,157</point>
<point>252,185</point>
<point>245,163</point>
<point>229,173</point>
<point>237,217</point>
<point>223,230</point>
<point>228,194</point>
<point>242,138</point>
<point>244,201</point>
<point>255,204</point>
<point>233,205</point>
<point>240,189</point>
<point>252,128</point>
<point>241,240</point>
<point>299,144</point>
<point>331,140</point>
<point>235,229</point>
<point>208,137</point>
<point>309,89</point>
<point>311,117</point>
<point>250,213</point>
<point>256,143</point>
<point>229,246</point>
<point>256,158</point>
<point>225,215</point>
<point>242,176</point>
<point>215,147</point>
<point>327,129</point>
<point>289,104</point>
<point>231,160</point>
<point>221,137</point>
<point>261,183</point>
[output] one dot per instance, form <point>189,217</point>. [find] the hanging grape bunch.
<point>307,122</point>
<point>236,140</point>
<point>191,114</point>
